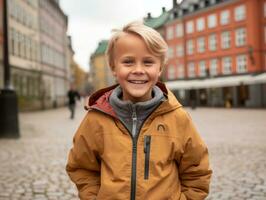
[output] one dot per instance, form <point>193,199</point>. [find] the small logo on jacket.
<point>161,128</point>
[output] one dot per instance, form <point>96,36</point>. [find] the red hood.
<point>100,99</point>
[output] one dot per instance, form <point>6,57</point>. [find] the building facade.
<point>38,52</point>
<point>54,52</point>
<point>99,69</point>
<point>217,52</point>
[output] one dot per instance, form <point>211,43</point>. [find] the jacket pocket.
<point>147,147</point>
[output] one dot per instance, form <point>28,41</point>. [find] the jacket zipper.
<point>134,153</point>
<point>147,142</point>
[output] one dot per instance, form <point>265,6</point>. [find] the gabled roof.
<point>102,46</point>
<point>157,22</point>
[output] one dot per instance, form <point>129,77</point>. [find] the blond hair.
<point>153,40</point>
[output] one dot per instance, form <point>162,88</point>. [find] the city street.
<point>33,167</point>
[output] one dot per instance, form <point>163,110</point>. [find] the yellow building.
<point>99,70</point>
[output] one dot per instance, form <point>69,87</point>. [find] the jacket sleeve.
<point>194,169</point>
<point>83,165</point>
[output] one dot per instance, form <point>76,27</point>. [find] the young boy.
<point>136,141</point>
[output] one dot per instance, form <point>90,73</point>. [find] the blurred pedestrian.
<point>73,95</point>
<point>137,141</point>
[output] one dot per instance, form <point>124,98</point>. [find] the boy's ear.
<point>114,72</point>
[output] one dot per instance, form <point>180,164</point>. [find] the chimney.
<point>149,15</point>
<point>163,9</point>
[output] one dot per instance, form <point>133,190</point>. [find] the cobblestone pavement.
<point>32,168</point>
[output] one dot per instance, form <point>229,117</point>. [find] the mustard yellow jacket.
<point>168,160</point>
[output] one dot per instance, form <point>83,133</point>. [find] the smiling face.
<point>135,68</point>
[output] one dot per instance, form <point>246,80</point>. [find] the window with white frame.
<point>190,47</point>
<point>212,42</point>
<point>240,35</point>
<point>179,31</point>
<point>241,64</point>
<point>170,33</point>
<point>171,72</point>
<point>227,65</point>
<point>264,9</point>
<point>202,68</point>
<point>213,67</point>
<point>200,24</point>
<point>201,44</point>
<point>12,42</point>
<point>212,21</point>
<point>265,34</point>
<point>181,71</point>
<point>225,40</point>
<point>240,13</point>
<point>191,70</point>
<point>180,50</point>
<point>190,27</point>
<point>170,52</point>
<point>225,17</point>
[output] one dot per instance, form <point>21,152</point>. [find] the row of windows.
<point>26,85</point>
<point>23,46</point>
<point>225,40</point>
<point>52,30</point>
<point>226,66</point>
<point>212,22</point>
<point>52,11</point>
<point>52,57</point>
<point>21,15</point>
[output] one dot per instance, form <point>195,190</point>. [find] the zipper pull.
<point>147,141</point>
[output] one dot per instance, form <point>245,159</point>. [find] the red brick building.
<point>217,52</point>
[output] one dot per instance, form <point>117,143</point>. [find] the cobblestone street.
<point>33,167</point>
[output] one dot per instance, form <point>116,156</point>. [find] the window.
<point>225,17</point>
<point>190,27</point>
<point>265,34</point>
<point>191,70</point>
<point>240,35</point>
<point>202,68</point>
<point>241,63</point>
<point>213,67</point>
<point>180,50</point>
<point>226,40</point>
<point>170,33</point>
<point>171,72</point>
<point>212,42</point>
<point>200,24</point>
<point>212,21</point>
<point>181,71</point>
<point>190,47</point>
<point>227,65</point>
<point>240,13</point>
<point>179,30</point>
<point>170,52</point>
<point>264,9</point>
<point>201,44</point>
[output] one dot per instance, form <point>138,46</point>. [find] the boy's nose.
<point>138,68</point>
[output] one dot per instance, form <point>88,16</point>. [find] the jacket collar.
<point>100,100</point>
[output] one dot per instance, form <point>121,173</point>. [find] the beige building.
<point>38,52</point>
<point>24,54</point>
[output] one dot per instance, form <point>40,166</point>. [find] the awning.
<point>257,79</point>
<point>228,81</point>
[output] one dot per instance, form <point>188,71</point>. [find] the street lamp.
<point>9,126</point>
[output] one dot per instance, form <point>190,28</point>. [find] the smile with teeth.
<point>137,81</point>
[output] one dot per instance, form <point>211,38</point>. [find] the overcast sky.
<point>92,20</point>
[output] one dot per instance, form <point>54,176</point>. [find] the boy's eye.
<point>127,62</point>
<point>148,62</point>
